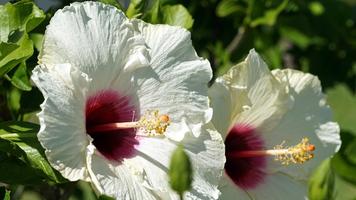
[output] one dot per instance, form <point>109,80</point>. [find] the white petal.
<point>267,97</point>
<point>179,77</point>
<point>280,187</point>
<point>229,191</point>
<point>208,159</point>
<point>275,187</point>
<point>255,69</point>
<point>97,39</point>
<point>154,157</point>
<point>117,180</point>
<point>221,103</point>
<point>245,74</point>
<point>62,132</point>
<point>256,97</point>
<point>206,154</point>
<point>308,117</point>
<point>268,102</point>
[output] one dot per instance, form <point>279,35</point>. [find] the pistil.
<point>299,153</point>
<point>151,124</point>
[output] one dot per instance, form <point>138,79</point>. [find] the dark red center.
<point>110,107</point>
<point>247,172</point>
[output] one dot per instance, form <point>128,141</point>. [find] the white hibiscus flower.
<point>119,96</point>
<point>262,115</point>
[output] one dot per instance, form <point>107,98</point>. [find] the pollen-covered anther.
<point>153,124</point>
<point>150,124</point>
<point>299,153</point>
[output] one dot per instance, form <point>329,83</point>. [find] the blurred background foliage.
<point>315,36</point>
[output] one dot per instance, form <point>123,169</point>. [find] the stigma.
<point>150,124</point>
<point>297,154</point>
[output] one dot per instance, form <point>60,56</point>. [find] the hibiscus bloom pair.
<point>121,94</point>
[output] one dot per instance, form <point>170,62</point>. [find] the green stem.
<point>234,44</point>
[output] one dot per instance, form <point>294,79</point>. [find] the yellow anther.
<point>299,153</point>
<point>154,124</point>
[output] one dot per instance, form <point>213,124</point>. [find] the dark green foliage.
<point>22,159</point>
<point>316,36</point>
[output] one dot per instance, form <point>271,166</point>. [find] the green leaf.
<point>344,168</point>
<point>23,16</point>
<point>113,3</point>
<point>297,37</point>
<point>270,16</point>
<point>180,171</point>
<point>177,15</point>
<point>13,99</point>
<point>16,20</point>
<point>343,190</point>
<point>30,101</point>
<point>83,191</point>
<point>20,78</point>
<point>274,56</point>
<point>350,152</point>
<point>7,195</point>
<point>321,182</point>
<point>35,18</point>
<point>343,163</point>
<point>21,51</point>
<point>136,8</point>
<point>4,193</point>
<point>23,156</point>
<point>13,170</point>
<point>37,40</point>
<point>228,7</point>
<point>343,104</point>
<point>154,15</point>
<point>316,8</point>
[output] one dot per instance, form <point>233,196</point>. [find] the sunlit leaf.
<point>136,8</point>
<point>16,20</point>
<point>22,16</point>
<point>37,40</point>
<point>20,51</point>
<point>177,15</point>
